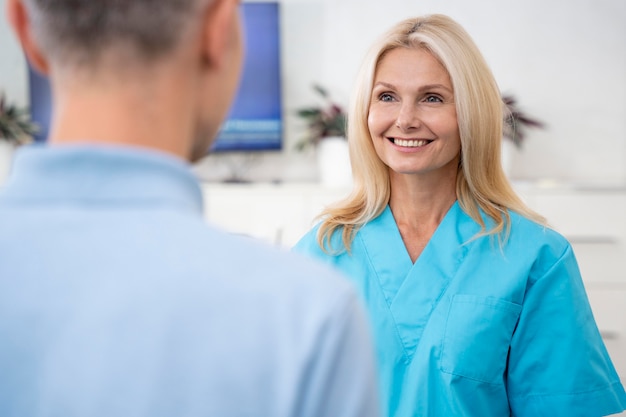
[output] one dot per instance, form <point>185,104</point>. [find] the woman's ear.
<point>17,14</point>
<point>220,31</point>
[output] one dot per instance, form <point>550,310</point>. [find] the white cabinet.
<point>594,221</point>
<point>595,224</point>
<point>278,214</point>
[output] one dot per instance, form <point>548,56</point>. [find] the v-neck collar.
<point>413,290</point>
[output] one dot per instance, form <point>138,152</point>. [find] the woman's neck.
<point>418,206</point>
<point>418,200</point>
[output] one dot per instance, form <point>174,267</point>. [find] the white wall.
<point>565,60</point>
<point>12,70</point>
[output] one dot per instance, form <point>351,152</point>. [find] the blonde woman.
<point>478,308</point>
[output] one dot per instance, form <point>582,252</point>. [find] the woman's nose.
<point>408,117</point>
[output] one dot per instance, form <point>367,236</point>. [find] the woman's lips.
<point>410,143</point>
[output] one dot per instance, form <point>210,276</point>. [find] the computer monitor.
<point>255,121</point>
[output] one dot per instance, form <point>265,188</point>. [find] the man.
<point>115,298</point>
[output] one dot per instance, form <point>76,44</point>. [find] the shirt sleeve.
<point>558,364</point>
<point>342,379</point>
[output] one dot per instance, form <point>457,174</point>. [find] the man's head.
<point>116,43</point>
<point>82,31</point>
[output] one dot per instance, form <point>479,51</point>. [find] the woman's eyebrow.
<point>421,88</point>
<point>435,87</point>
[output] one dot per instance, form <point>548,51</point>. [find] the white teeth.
<point>412,143</point>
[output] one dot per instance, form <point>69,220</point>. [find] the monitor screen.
<point>255,119</point>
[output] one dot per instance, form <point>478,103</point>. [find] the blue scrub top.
<point>473,329</point>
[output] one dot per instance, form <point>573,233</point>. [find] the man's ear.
<point>18,17</point>
<point>218,31</point>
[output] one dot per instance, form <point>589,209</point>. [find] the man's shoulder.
<point>277,268</point>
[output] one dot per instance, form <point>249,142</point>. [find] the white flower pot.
<point>333,161</point>
<point>6,159</point>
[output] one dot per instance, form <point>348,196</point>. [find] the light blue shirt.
<point>116,299</point>
<point>470,329</point>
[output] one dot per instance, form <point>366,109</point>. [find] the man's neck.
<point>154,113</point>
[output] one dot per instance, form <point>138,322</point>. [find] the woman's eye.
<point>433,99</point>
<point>385,97</point>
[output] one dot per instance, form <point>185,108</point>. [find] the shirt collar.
<point>102,174</point>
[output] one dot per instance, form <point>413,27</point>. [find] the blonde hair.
<point>481,183</point>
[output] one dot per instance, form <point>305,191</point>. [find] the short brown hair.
<point>80,31</point>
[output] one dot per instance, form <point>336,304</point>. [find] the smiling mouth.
<point>410,143</point>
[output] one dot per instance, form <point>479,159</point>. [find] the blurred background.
<point>563,60</point>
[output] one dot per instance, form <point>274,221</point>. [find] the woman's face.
<point>412,115</point>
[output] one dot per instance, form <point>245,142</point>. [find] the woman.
<point>477,308</point>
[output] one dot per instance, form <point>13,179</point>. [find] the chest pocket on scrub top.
<point>477,337</point>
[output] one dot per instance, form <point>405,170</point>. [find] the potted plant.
<point>326,131</point>
<point>516,123</point>
<point>16,128</point>
<point>324,121</point>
